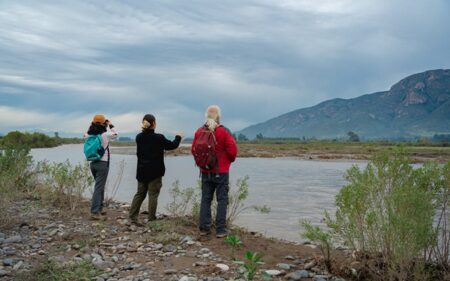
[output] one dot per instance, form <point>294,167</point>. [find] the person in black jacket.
<point>150,167</point>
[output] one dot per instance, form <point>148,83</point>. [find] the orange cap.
<point>99,118</point>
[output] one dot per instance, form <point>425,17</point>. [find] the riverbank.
<point>45,243</point>
<point>321,150</point>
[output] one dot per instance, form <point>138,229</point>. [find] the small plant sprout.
<point>249,268</point>
<point>235,242</point>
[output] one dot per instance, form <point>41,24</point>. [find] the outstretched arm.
<point>171,145</point>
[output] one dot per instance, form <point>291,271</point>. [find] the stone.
<point>8,262</point>
<point>132,265</point>
<point>3,273</point>
<point>184,278</point>
<point>201,263</point>
<point>170,271</point>
<point>53,232</point>
<point>320,278</point>
<point>223,267</point>
<point>191,254</point>
<point>204,251</point>
<point>289,257</point>
<point>273,272</point>
<point>18,265</point>
<point>99,279</point>
<point>284,266</point>
<point>186,239</point>
<point>2,235</point>
<point>13,239</point>
<point>102,265</point>
<point>96,256</point>
<point>169,248</point>
<point>309,265</point>
<point>9,251</point>
<point>297,275</point>
<point>58,259</point>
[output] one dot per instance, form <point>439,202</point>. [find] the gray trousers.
<point>100,171</point>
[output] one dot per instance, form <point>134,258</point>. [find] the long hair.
<point>96,129</point>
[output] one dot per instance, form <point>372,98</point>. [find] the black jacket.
<point>150,153</point>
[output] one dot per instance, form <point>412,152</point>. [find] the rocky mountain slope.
<point>418,105</point>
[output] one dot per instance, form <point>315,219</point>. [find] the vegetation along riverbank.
<point>45,233</point>
<point>419,152</point>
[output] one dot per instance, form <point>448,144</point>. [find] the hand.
<point>180,134</point>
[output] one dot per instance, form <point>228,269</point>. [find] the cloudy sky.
<point>63,61</point>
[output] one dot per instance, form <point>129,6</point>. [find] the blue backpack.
<point>93,149</point>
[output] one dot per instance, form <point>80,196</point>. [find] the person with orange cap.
<point>97,152</point>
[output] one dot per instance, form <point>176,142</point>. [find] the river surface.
<point>294,189</point>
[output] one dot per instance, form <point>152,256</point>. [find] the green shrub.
<point>64,184</point>
<point>386,214</point>
<point>186,202</point>
<point>16,168</point>
<point>324,238</point>
<point>16,177</point>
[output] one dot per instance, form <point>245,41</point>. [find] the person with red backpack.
<point>214,149</point>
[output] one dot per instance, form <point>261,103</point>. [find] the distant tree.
<point>259,136</point>
<point>56,135</point>
<point>242,137</point>
<point>352,136</point>
<point>234,136</point>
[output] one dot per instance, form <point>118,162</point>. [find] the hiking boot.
<point>136,223</point>
<point>103,213</point>
<point>205,232</point>
<point>97,217</point>
<point>222,234</point>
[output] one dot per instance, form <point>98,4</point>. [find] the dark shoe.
<point>103,213</point>
<point>205,232</point>
<point>97,217</point>
<point>222,234</point>
<point>136,223</point>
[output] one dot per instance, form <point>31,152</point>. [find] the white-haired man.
<point>214,149</point>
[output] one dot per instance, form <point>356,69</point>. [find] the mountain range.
<point>416,106</point>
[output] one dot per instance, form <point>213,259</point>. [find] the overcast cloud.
<point>63,61</point>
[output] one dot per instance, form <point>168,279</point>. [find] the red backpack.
<point>204,150</point>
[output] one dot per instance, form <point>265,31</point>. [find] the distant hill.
<point>418,105</point>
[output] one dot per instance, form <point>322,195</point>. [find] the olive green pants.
<point>153,188</point>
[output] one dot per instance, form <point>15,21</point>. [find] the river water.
<point>294,189</point>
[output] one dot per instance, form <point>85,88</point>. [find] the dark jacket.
<point>150,153</point>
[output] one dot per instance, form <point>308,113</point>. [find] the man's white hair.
<point>212,115</point>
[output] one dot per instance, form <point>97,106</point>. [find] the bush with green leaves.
<point>64,184</point>
<point>186,202</point>
<point>16,168</point>
<point>16,178</point>
<point>395,216</point>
